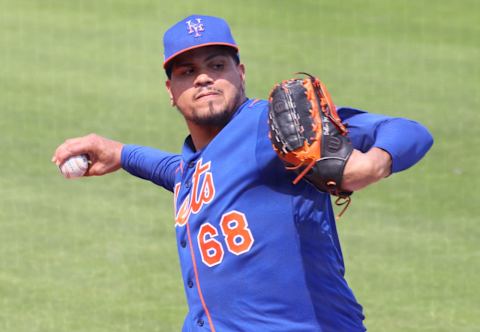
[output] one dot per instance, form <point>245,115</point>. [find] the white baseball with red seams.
<point>75,166</point>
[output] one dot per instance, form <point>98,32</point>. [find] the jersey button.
<point>183,243</point>
<point>188,184</point>
<point>200,322</point>
<point>191,164</point>
<point>190,284</point>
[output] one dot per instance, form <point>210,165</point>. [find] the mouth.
<point>208,93</point>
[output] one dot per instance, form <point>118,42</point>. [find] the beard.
<point>217,115</point>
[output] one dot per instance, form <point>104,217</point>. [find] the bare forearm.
<point>363,169</point>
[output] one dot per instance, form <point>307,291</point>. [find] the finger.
<point>73,147</point>
<point>100,167</point>
<point>96,169</point>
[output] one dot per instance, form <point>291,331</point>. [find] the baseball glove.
<point>308,135</point>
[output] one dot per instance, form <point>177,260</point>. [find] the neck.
<point>202,134</point>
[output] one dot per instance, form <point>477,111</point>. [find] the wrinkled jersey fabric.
<point>258,253</point>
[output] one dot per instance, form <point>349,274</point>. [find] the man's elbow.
<point>428,138</point>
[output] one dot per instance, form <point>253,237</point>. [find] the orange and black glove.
<point>308,135</point>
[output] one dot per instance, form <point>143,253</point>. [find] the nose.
<point>203,79</point>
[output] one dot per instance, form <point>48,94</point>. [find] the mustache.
<point>206,91</point>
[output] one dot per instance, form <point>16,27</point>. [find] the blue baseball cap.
<point>193,32</point>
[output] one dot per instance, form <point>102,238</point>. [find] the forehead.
<point>200,54</point>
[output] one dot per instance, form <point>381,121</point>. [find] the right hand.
<point>104,154</point>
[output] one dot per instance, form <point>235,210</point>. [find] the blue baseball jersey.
<point>258,253</point>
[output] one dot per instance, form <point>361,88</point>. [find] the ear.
<point>241,69</point>
<point>169,90</point>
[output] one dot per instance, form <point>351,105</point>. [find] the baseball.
<point>75,166</point>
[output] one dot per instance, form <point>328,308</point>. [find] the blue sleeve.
<point>151,164</point>
<point>405,140</point>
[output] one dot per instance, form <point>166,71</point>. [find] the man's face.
<point>207,85</point>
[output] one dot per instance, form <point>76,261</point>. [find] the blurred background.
<point>99,254</point>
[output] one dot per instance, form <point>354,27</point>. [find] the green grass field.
<point>99,254</point>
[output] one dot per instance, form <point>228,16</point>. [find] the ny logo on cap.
<point>195,27</point>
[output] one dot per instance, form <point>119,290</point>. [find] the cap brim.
<point>170,58</point>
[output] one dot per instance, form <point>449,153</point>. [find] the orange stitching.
<point>197,280</point>
<point>253,103</point>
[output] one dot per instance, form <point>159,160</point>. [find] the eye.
<point>218,65</point>
<point>183,71</point>
<point>187,71</point>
